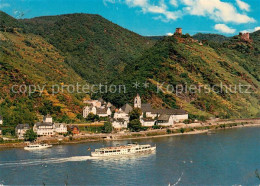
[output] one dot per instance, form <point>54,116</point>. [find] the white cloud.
<point>156,9</point>
<point>174,3</point>
<point>242,5</point>
<point>141,3</point>
<point>159,8</point>
<point>108,1</point>
<point>3,5</point>
<point>251,30</point>
<point>224,29</point>
<point>169,34</point>
<point>216,10</point>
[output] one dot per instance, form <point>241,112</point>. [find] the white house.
<point>165,120</point>
<point>60,128</point>
<point>119,123</point>
<point>147,122</point>
<point>123,113</point>
<point>1,120</point>
<point>89,109</point>
<point>44,129</point>
<point>148,111</point>
<point>180,115</point>
<point>21,129</point>
<point>104,112</point>
<point>94,103</point>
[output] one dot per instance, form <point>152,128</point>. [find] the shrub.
<point>8,131</point>
<point>135,114</point>
<point>222,126</point>
<point>168,131</point>
<point>187,121</point>
<point>107,128</point>
<point>156,127</point>
<point>184,75</point>
<point>144,128</point>
<point>92,117</point>
<point>135,125</point>
<point>30,135</point>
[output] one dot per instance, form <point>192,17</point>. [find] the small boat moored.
<point>122,150</point>
<point>37,146</point>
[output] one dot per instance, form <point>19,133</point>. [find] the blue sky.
<point>152,17</point>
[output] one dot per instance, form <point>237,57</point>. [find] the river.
<point>229,157</point>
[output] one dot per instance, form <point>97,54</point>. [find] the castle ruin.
<point>178,31</point>
<point>244,36</point>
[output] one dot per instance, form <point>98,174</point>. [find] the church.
<point>164,117</point>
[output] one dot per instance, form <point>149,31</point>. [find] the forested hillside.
<point>178,60</point>
<point>63,50</point>
<point>28,60</point>
<point>94,47</point>
<point>90,49</point>
<point>211,37</point>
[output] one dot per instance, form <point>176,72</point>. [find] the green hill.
<point>84,48</point>
<point>180,61</point>
<point>211,37</point>
<point>28,60</point>
<point>59,50</point>
<point>94,47</point>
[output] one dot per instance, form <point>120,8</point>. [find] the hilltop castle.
<point>178,31</point>
<point>244,36</point>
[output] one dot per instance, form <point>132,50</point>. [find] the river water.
<point>229,157</point>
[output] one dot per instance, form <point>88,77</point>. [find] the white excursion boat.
<point>122,150</point>
<point>37,146</point>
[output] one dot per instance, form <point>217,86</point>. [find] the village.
<point>118,118</point>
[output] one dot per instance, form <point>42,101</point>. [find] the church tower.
<point>137,102</point>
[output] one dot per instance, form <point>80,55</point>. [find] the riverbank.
<point>179,129</point>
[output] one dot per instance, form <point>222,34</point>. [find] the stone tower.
<point>137,101</point>
<point>178,31</point>
<point>244,36</point>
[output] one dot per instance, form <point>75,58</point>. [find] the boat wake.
<point>44,162</point>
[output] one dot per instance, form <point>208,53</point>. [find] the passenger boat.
<point>37,146</point>
<point>122,150</point>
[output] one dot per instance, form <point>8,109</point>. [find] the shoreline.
<point>187,133</point>
<point>204,128</point>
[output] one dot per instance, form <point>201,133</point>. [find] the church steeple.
<point>137,101</point>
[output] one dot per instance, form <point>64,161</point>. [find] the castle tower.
<point>137,101</point>
<point>178,31</point>
<point>244,36</point>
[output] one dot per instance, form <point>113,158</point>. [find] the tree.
<point>8,131</point>
<point>30,135</point>
<point>80,117</point>
<point>107,128</point>
<point>135,125</point>
<point>92,117</point>
<point>135,114</point>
